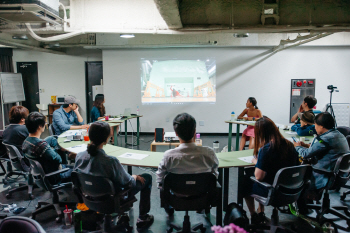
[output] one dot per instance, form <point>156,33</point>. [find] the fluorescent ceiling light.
<point>127,35</point>
<point>20,37</point>
<point>241,35</point>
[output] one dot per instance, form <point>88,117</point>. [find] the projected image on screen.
<point>178,81</point>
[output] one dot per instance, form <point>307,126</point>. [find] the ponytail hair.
<point>253,101</point>
<point>99,132</point>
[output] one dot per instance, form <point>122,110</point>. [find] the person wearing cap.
<point>67,116</point>
<point>306,126</point>
<point>307,106</point>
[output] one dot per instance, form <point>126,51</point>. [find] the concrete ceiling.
<point>185,23</point>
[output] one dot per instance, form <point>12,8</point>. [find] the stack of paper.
<point>133,156</point>
<point>247,159</point>
<point>70,132</point>
<point>77,149</point>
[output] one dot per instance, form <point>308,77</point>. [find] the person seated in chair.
<point>272,152</point>
<point>67,116</point>
<point>324,152</point>
<point>306,126</point>
<point>188,158</point>
<point>307,106</point>
<point>95,161</point>
<point>16,132</point>
<point>44,151</point>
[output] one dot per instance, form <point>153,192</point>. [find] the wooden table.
<point>226,161</point>
<point>238,123</point>
<point>125,120</point>
<point>176,144</point>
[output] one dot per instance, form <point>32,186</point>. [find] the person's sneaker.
<point>145,221</point>
<point>261,217</point>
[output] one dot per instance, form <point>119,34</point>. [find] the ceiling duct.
<point>30,11</point>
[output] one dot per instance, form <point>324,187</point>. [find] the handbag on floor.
<point>236,214</point>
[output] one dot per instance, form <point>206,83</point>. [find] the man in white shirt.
<point>188,158</point>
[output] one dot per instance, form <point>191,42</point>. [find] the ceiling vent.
<point>30,11</point>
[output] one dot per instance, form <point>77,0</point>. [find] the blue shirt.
<point>307,130</point>
<point>62,121</point>
<point>333,144</point>
<point>95,114</point>
<point>270,161</point>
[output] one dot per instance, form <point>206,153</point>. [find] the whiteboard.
<point>342,113</point>
<point>12,87</point>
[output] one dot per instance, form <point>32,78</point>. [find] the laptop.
<point>127,112</point>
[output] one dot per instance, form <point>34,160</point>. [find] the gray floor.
<point>160,224</point>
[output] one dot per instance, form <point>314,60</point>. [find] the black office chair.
<point>190,192</point>
<point>42,180</point>
<point>22,169</point>
<point>4,156</point>
<point>51,131</point>
<point>288,184</point>
<point>338,176</point>
<point>20,224</point>
<point>344,130</point>
<point>100,195</point>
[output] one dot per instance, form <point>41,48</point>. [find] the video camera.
<point>331,87</point>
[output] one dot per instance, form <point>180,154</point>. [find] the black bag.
<point>236,214</point>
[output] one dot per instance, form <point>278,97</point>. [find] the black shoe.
<point>145,222</point>
<point>261,217</point>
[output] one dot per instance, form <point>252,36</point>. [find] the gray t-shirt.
<point>15,135</point>
<point>104,165</point>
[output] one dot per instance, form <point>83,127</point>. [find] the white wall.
<point>241,73</point>
<point>60,74</point>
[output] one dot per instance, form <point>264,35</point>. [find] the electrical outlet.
<point>201,123</point>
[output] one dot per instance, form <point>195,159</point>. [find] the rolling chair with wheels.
<point>346,132</point>
<point>22,169</point>
<point>42,180</point>
<point>20,224</point>
<point>288,184</point>
<point>99,194</point>
<point>336,178</point>
<point>190,192</point>
<point>3,156</point>
<point>51,130</point>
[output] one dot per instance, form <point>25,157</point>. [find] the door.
<point>93,76</point>
<point>29,71</point>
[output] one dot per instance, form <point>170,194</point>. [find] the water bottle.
<point>233,116</point>
<point>138,111</point>
<point>198,138</point>
<point>216,146</point>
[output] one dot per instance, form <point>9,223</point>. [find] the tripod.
<point>330,107</point>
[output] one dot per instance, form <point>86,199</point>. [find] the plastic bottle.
<point>138,111</point>
<point>233,116</point>
<point>216,146</point>
<point>198,138</point>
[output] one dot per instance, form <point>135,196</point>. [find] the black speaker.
<point>159,135</point>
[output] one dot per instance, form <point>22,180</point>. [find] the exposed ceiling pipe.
<point>53,38</point>
<point>29,47</point>
<point>301,39</point>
